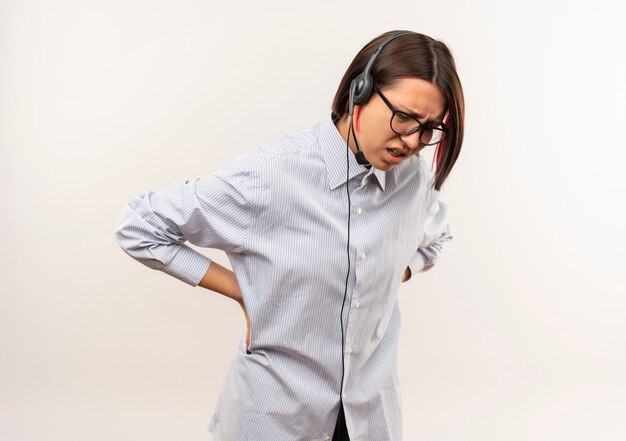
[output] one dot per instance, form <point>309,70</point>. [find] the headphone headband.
<point>361,86</point>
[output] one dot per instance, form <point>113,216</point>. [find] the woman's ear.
<point>357,113</point>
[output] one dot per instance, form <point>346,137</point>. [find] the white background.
<point>518,333</point>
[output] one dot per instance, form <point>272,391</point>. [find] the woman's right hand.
<point>224,281</point>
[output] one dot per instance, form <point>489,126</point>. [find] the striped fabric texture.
<point>280,212</point>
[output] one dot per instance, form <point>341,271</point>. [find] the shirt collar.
<point>333,148</point>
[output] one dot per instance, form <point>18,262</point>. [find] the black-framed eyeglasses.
<point>404,124</point>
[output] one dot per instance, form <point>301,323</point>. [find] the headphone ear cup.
<point>363,90</point>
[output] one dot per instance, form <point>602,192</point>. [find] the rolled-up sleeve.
<point>436,232</point>
<point>213,211</point>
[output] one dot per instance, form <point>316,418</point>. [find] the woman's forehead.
<point>417,97</point>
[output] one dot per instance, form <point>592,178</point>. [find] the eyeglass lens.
<point>404,124</point>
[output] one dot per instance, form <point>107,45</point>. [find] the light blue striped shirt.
<point>280,212</point>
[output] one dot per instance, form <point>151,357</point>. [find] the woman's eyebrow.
<point>420,116</point>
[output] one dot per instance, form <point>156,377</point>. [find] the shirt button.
<point>362,256</point>
<point>349,349</point>
<point>359,210</point>
<point>357,304</point>
<point>343,396</point>
<point>327,438</point>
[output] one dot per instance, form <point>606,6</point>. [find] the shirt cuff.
<point>188,266</point>
<point>417,264</point>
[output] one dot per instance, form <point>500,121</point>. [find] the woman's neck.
<point>343,125</point>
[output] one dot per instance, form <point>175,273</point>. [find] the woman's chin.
<point>383,166</point>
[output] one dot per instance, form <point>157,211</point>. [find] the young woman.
<point>320,227</point>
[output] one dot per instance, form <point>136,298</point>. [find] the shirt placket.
<point>358,257</point>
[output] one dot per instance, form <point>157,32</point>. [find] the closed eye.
<point>403,116</point>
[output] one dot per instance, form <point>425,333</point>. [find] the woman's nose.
<point>412,140</point>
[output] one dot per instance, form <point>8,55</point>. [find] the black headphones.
<point>361,86</point>
<point>361,89</point>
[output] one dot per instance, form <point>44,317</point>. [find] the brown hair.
<point>420,56</point>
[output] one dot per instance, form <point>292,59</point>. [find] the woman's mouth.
<point>395,156</point>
